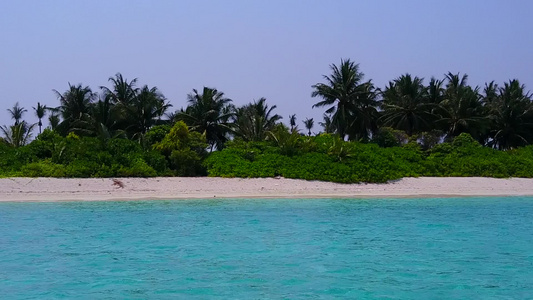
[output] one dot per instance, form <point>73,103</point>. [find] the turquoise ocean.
<point>443,248</point>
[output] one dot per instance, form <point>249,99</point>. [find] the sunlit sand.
<point>52,189</point>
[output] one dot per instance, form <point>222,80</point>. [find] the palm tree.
<point>122,95</point>
<point>16,113</point>
<point>406,106</point>
<point>490,93</point>
<point>309,123</point>
<point>53,118</point>
<point>292,122</point>
<point>365,116</point>
<point>20,133</point>
<point>146,110</point>
<point>209,113</point>
<point>100,121</point>
<point>171,117</point>
<point>351,102</point>
<point>327,125</point>
<point>489,100</point>
<point>512,115</point>
<point>40,111</point>
<point>435,91</point>
<point>75,105</point>
<point>122,91</point>
<point>253,121</point>
<point>104,112</point>
<point>17,135</point>
<point>461,108</point>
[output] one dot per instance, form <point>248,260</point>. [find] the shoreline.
<point>182,188</point>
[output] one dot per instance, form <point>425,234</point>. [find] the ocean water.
<point>451,248</point>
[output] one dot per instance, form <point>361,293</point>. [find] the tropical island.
<point>445,128</point>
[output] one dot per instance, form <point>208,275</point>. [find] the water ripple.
<point>306,249</point>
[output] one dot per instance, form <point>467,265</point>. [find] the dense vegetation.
<point>327,157</point>
<point>172,152</point>
<point>445,128</point>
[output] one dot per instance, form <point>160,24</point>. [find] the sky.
<point>250,49</point>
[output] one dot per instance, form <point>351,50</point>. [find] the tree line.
<point>499,117</point>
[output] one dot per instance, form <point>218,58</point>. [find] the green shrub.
<point>465,140</point>
<point>388,137</point>
<point>138,168</point>
<point>186,162</point>
<point>44,168</point>
<point>184,150</point>
<point>156,134</point>
<point>332,159</point>
<point>156,160</point>
<point>325,157</point>
<point>82,169</point>
<point>227,163</point>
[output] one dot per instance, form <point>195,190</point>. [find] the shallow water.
<point>250,249</point>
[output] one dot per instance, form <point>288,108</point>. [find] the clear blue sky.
<point>250,49</point>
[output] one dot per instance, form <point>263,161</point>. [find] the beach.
<point>98,189</point>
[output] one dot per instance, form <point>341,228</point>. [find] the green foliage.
<point>186,162</point>
<point>44,168</point>
<point>10,159</point>
<point>385,137</point>
<point>427,140</point>
<point>157,161</point>
<point>325,157</point>
<point>352,102</point>
<point>465,140</point>
<point>208,113</point>
<point>137,168</point>
<point>51,155</point>
<point>156,134</point>
<point>329,159</point>
<point>288,142</point>
<point>123,151</point>
<point>17,135</point>
<point>184,150</point>
<point>81,169</point>
<point>86,126</point>
<point>332,159</point>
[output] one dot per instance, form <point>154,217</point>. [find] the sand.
<point>53,189</point>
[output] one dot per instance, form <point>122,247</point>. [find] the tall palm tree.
<point>490,93</point>
<point>292,122</point>
<point>461,108</point>
<point>122,91</point>
<point>435,91</point>
<point>489,100</point>
<point>146,110</point>
<point>100,121</point>
<point>253,121</point>
<point>365,116</point>
<point>122,95</point>
<point>104,112</point>
<point>406,106</point>
<point>351,102</point>
<point>75,105</point>
<point>208,113</point>
<point>309,123</point>
<point>16,112</point>
<point>512,115</point>
<point>40,111</point>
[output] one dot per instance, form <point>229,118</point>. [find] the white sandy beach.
<point>52,189</point>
